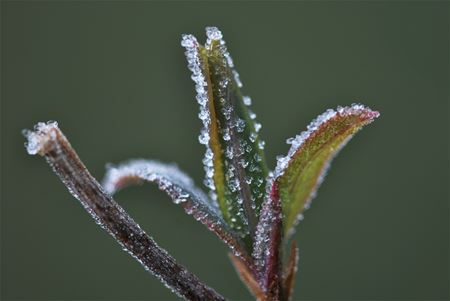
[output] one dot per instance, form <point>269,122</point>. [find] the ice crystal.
<point>239,145</point>
<point>41,134</point>
<point>297,141</point>
<point>180,187</point>
<point>247,100</point>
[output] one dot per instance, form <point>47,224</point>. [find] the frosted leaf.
<point>182,191</point>
<point>302,170</point>
<point>297,142</point>
<point>232,136</point>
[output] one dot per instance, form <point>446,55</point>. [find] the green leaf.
<point>234,161</point>
<point>181,190</point>
<point>299,174</point>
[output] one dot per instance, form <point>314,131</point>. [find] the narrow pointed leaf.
<point>47,140</point>
<point>300,173</point>
<point>182,191</point>
<point>234,160</point>
<point>247,276</point>
<point>290,272</point>
<point>266,250</point>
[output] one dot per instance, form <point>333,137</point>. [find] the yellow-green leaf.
<point>299,174</point>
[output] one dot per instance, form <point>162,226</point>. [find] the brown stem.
<point>48,141</point>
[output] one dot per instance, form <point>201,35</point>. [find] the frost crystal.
<point>38,138</point>
<point>180,188</point>
<point>261,144</point>
<point>237,79</point>
<point>247,100</point>
<point>237,132</point>
<point>190,43</point>
<point>169,178</point>
<point>298,141</point>
<point>213,33</point>
<point>267,238</point>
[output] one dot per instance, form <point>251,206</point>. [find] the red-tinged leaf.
<point>299,174</point>
<point>266,250</point>
<point>234,160</point>
<point>290,271</point>
<point>182,191</point>
<point>246,274</point>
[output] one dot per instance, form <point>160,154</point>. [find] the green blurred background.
<point>114,75</point>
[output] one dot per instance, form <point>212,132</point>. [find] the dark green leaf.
<point>234,161</point>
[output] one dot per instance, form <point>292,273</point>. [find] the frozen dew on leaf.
<point>232,133</point>
<point>303,169</point>
<point>182,191</point>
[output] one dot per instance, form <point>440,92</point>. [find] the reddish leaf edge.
<point>366,116</point>
<point>267,244</point>
<point>182,190</point>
